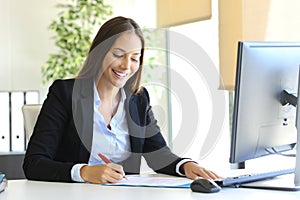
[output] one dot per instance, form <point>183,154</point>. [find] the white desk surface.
<point>37,190</point>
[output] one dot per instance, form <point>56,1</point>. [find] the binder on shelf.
<point>12,131</point>
<point>17,122</point>
<point>4,122</point>
<point>31,97</point>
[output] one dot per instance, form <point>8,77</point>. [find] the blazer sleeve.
<point>43,159</point>
<point>156,152</point>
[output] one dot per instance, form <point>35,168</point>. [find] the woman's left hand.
<point>194,171</point>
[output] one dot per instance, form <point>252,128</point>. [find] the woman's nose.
<point>125,63</point>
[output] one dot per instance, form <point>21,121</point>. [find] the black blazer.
<point>62,136</point>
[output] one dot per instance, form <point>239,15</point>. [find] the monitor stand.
<point>284,183</point>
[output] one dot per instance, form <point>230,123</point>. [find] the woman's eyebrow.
<point>120,49</point>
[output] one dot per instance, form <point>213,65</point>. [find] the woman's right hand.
<point>100,174</point>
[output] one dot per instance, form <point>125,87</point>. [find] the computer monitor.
<point>262,125</point>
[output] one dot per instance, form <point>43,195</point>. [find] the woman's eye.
<point>135,59</point>
<point>117,55</point>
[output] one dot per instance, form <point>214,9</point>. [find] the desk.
<point>36,190</point>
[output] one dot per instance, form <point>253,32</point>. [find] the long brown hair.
<point>105,38</point>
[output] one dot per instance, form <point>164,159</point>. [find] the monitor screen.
<point>261,124</point>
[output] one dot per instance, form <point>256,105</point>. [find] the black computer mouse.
<point>204,185</point>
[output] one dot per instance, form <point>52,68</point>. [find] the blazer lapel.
<point>137,136</point>
<point>83,114</point>
<point>136,131</point>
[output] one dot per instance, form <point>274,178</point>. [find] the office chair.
<point>30,114</point>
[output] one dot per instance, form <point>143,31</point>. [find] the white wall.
<point>25,42</point>
<point>205,34</point>
<point>143,12</point>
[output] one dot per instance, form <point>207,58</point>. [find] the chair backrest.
<point>30,114</point>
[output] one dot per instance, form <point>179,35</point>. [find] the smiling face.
<point>122,61</point>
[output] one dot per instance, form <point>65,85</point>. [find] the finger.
<point>113,177</point>
<point>192,175</point>
<point>109,175</point>
<point>210,175</point>
<point>201,172</point>
<point>217,176</point>
<point>117,168</point>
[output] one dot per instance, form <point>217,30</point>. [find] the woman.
<point>103,113</point>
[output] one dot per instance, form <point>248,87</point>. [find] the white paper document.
<point>154,181</point>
